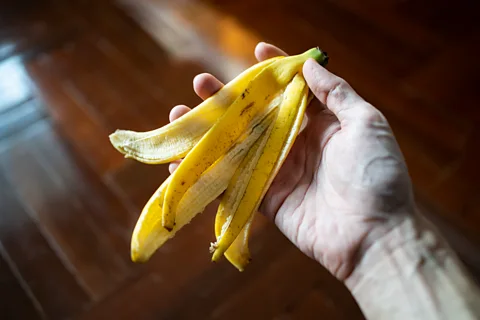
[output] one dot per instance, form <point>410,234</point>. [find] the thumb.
<point>336,94</point>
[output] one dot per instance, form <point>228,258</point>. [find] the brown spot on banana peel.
<point>251,104</point>
<point>244,93</point>
<point>170,229</point>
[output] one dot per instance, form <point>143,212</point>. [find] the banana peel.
<point>238,206</point>
<point>149,234</point>
<point>173,141</point>
<point>238,253</point>
<point>242,112</point>
<point>234,142</point>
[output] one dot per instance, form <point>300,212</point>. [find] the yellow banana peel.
<point>173,141</point>
<point>236,119</point>
<point>149,234</point>
<point>238,253</point>
<point>239,208</point>
<point>234,141</point>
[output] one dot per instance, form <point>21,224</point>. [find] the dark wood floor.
<point>72,72</point>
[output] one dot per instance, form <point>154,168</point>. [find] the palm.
<point>328,194</point>
<point>298,199</point>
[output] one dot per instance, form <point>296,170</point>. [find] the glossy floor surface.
<point>73,72</point>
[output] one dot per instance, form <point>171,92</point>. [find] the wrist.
<point>410,272</point>
<point>383,242</point>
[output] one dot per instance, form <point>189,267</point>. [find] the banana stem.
<point>317,54</point>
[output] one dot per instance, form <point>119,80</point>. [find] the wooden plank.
<point>136,181</point>
<point>144,61</point>
<point>167,77</point>
<point>426,162</point>
<point>196,37</point>
<point>52,201</point>
<point>219,284</point>
<point>460,184</point>
<point>43,273</point>
<point>373,46</point>
<point>448,79</point>
<point>28,28</point>
<point>320,304</point>
<point>384,15</point>
<point>182,271</point>
<point>16,300</point>
<point>150,294</point>
<point>140,299</point>
<point>138,79</point>
<point>279,286</point>
<point>134,97</point>
<point>451,22</point>
<point>83,76</point>
<point>65,107</point>
<point>16,119</point>
<point>108,213</point>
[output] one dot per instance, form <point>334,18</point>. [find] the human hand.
<point>344,183</point>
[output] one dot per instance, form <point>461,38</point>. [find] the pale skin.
<point>344,198</point>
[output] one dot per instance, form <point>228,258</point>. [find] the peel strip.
<point>174,140</point>
<point>230,126</point>
<point>149,234</point>
<point>280,141</point>
<point>238,253</point>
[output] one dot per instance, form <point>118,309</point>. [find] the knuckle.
<point>340,91</point>
<point>368,114</point>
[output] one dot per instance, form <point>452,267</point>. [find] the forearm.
<point>412,274</point>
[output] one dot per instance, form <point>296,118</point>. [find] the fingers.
<point>264,51</point>
<point>178,111</point>
<point>206,85</point>
<point>336,94</point>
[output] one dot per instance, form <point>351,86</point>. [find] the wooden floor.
<point>71,72</point>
